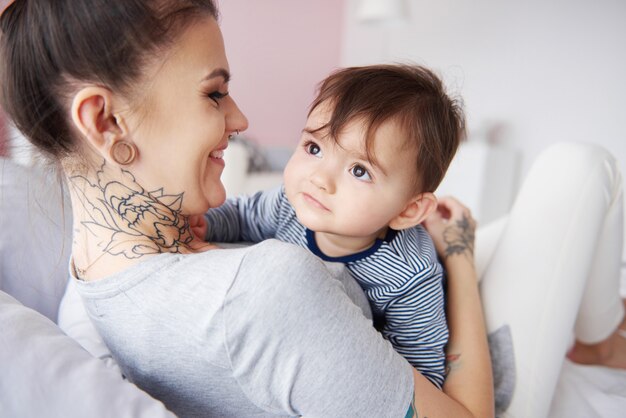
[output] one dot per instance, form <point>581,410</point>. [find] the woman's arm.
<point>322,357</point>
<point>469,381</point>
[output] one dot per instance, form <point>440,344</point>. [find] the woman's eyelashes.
<point>360,172</point>
<point>216,96</point>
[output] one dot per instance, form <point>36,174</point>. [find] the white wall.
<point>545,70</point>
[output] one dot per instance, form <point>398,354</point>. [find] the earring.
<point>123,152</point>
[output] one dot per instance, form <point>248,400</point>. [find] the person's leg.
<point>598,339</point>
<point>538,272</point>
<point>487,238</point>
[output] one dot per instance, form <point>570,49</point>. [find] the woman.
<point>131,99</point>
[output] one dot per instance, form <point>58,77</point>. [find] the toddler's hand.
<point>452,229</point>
<point>198,226</point>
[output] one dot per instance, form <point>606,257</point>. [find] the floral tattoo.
<point>133,221</point>
<point>459,238</point>
<point>412,412</point>
<point>453,362</point>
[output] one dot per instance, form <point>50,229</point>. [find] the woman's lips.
<point>218,153</point>
<point>314,202</point>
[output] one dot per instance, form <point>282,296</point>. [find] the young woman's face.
<point>335,188</point>
<point>182,127</point>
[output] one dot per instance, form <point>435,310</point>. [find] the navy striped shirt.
<point>399,274</point>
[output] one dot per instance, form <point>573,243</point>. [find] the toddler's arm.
<point>246,218</point>
<point>415,324</point>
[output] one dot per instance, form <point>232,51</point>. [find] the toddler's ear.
<point>415,211</point>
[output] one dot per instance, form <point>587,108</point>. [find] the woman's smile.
<point>217,156</point>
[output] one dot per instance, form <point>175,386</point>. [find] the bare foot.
<point>609,353</point>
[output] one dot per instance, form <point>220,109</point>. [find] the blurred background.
<point>531,73</point>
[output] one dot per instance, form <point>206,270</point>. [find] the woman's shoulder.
<point>245,269</point>
<point>286,271</point>
<point>275,263</point>
<point>281,253</point>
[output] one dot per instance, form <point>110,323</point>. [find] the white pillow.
<point>47,374</point>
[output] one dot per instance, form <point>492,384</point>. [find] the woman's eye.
<point>313,149</point>
<point>360,172</point>
<point>216,96</point>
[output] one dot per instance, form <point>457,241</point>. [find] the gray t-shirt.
<point>266,330</point>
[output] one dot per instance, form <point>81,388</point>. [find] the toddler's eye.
<point>313,149</point>
<point>360,173</point>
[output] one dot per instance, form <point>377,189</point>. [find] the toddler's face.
<point>335,188</point>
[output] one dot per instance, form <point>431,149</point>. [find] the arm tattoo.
<point>453,362</point>
<point>459,238</point>
<point>412,412</point>
<point>131,221</point>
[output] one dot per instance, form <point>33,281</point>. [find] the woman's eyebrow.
<point>218,72</point>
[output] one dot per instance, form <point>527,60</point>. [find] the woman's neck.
<point>117,222</point>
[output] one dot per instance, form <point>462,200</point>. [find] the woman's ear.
<point>93,115</point>
<point>415,211</point>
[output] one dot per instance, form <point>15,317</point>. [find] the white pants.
<point>552,266</point>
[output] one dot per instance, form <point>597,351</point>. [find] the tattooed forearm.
<point>459,238</point>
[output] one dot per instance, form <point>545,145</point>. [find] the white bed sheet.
<point>591,391</point>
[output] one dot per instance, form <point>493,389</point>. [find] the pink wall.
<point>278,51</point>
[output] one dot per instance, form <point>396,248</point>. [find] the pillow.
<point>35,236</point>
<point>76,324</point>
<point>503,366</point>
<point>47,374</point>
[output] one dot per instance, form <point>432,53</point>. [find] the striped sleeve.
<point>404,282</point>
<point>251,218</point>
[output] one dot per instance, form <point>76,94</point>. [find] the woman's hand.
<point>452,229</point>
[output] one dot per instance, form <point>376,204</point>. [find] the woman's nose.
<point>235,119</point>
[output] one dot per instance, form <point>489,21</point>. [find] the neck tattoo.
<point>126,219</point>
